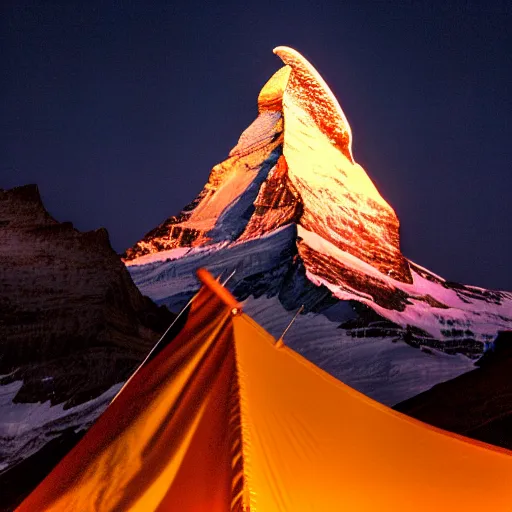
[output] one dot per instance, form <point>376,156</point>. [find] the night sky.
<point>119,112</point>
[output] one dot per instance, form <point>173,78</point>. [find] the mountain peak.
<point>271,95</point>
<point>307,89</point>
<point>293,164</point>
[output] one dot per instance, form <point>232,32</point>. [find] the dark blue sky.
<point>118,112</point>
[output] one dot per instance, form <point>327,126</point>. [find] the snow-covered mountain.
<point>301,223</point>
<point>73,326</point>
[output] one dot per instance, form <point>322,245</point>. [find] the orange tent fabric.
<point>226,419</point>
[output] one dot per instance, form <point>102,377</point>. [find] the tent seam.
<point>239,503</point>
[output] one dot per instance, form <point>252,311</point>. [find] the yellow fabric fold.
<point>314,443</point>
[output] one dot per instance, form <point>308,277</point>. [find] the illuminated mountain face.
<point>294,164</point>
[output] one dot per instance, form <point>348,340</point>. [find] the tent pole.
<point>228,278</point>
<point>280,341</point>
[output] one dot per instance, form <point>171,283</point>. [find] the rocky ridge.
<point>72,324</point>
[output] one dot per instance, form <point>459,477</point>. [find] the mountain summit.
<point>301,223</point>
<point>293,164</point>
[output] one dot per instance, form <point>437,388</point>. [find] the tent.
<point>226,418</point>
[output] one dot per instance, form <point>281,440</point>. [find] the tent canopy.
<point>226,419</point>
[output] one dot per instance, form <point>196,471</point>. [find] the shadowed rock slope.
<point>72,326</point>
<point>73,323</point>
<point>477,404</point>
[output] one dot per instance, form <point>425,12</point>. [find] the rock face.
<point>301,223</point>
<point>72,325</point>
